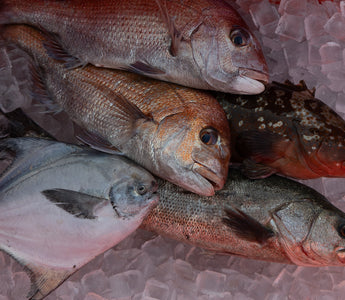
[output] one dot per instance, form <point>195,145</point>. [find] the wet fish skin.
<point>273,219</point>
<point>62,205</point>
<point>177,133</point>
<point>203,44</point>
<point>285,130</point>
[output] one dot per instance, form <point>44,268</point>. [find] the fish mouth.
<point>215,180</point>
<point>253,82</point>
<point>255,75</point>
<point>341,254</point>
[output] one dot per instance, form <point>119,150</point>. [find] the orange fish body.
<point>285,130</point>
<point>202,44</point>
<point>177,133</point>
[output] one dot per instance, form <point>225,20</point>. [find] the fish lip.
<point>215,180</point>
<point>255,75</point>
<point>340,251</point>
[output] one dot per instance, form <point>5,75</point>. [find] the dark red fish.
<point>202,44</point>
<point>285,130</point>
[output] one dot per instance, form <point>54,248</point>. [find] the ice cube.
<point>314,25</point>
<point>126,284</point>
<point>263,13</point>
<point>95,281</point>
<point>293,7</point>
<point>291,26</point>
<point>335,26</point>
<point>93,296</point>
<point>209,281</point>
<point>156,290</point>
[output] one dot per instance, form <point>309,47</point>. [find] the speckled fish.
<point>202,44</point>
<point>179,134</point>
<point>273,219</point>
<point>62,205</point>
<point>285,130</point>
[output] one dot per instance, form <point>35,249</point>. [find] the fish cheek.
<point>326,237</point>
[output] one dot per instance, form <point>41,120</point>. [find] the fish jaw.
<point>217,181</point>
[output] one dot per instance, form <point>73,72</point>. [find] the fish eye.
<point>341,230</point>
<point>141,189</point>
<point>209,136</point>
<point>239,37</point>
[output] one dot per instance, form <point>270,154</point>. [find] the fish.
<point>285,130</point>
<point>202,44</point>
<point>274,219</point>
<point>177,133</point>
<point>61,205</point>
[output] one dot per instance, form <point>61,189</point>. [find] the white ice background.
<point>301,40</point>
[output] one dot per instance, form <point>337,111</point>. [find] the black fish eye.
<point>209,136</point>
<point>239,37</point>
<point>141,189</point>
<point>341,230</point>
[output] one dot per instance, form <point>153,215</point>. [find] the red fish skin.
<point>121,34</point>
<point>157,124</point>
<point>286,130</point>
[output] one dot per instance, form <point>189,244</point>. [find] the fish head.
<point>330,156</point>
<point>134,193</point>
<point>312,232</point>
<point>230,57</point>
<point>194,146</point>
<point>325,243</point>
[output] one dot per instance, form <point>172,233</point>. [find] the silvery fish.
<point>273,219</point>
<point>285,130</point>
<point>62,205</point>
<point>202,44</point>
<point>179,134</point>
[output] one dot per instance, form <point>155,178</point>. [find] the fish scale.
<point>186,42</point>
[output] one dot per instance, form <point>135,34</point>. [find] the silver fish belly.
<point>62,205</point>
<point>274,219</point>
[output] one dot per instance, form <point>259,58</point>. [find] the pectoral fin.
<point>261,146</point>
<point>40,92</point>
<point>80,205</point>
<point>255,170</point>
<point>246,227</point>
<point>175,35</point>
<point>56,51</point>
<point>143,68</point>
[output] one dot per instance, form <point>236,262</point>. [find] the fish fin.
<point>79,204</point>
<point>39,90</point>
<point>175,35</point>
<point>54,49</point>
<point>246,227</point>
<point>261,146</point>
<point>44,281</point>
<point>96,142</point>
<point>144,68</point>
<point>254,170</point>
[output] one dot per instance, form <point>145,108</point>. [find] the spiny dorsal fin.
<point>246,227</point>
<point>79,204</point>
